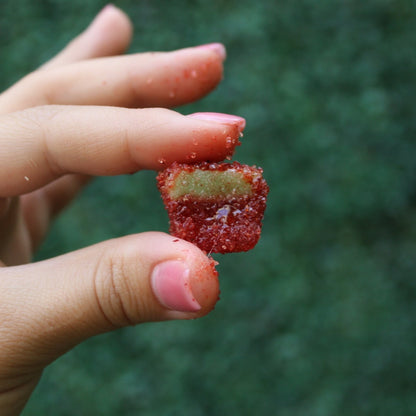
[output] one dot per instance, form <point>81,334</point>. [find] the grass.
<point>320,318</point>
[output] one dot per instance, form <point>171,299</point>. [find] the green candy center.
<point>207,184</point>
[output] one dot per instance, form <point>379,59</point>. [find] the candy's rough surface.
<point>217,206</point>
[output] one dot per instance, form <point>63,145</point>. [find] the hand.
<point>62,124</point>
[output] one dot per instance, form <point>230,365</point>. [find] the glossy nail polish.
<point>219,48</point>
<point>221,118</point>
<point>171,286</point>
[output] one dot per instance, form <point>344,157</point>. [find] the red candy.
<point>220,213</point>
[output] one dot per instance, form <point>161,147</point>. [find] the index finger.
<point>52,141</point>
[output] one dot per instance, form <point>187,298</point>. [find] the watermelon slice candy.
<point>217,206</point>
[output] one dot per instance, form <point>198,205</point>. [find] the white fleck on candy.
<point>222,213</point>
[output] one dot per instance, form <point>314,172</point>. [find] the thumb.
<point>48,307</point>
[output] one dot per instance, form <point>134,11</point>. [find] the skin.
<point>90,112</point>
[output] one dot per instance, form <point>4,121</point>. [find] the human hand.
<point>60,125</point>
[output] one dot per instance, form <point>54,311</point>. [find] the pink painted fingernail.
<point>221,118</point>
<point>171,286</point>
<point>219,48</point>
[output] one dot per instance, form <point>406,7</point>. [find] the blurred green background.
<point>320,318</point>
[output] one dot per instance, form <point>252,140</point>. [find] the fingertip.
<point>228,119</point>
<point>110,11</point>
<point>216,47</point>
<point>112,29</point>
<point>186,285</point>
<point>195,72</point>
<point>205,284</point>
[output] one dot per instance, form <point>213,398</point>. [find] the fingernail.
<point>171,286</point>
<point>219,48</point>
<point>221,118</point>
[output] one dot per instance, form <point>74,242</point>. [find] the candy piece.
<point>217,206</point>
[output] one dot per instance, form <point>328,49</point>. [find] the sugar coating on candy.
<point>217,206</point>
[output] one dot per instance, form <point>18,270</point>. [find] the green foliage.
<point>320,318</point>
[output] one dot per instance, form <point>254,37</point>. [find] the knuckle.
<point>114,292</point>
<point>37,123</point>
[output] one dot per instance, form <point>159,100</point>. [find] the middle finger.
<point>162,79</point>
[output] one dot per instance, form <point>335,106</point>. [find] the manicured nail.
<point>171,286</point>
<point>221,118</point>
<point>219,48</point>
